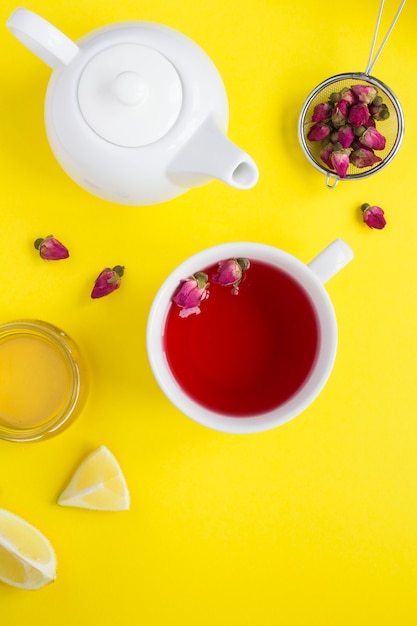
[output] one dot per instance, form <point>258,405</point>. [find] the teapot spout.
<point>210,154</point>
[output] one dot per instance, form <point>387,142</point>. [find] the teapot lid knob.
<point>129,88</point>
<point>130,95</point>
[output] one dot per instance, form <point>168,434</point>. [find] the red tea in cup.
<point>249,361</point>
<point>245,353</point>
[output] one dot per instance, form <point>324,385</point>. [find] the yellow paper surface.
<point>311,524</point>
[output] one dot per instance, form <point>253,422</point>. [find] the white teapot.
<point>136,113</point>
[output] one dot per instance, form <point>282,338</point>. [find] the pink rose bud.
<point>364,157</point>
<point>230,272</point>
<point>345,136</point>
<point>348,95</point>
<point>190,294</point>
<point>318,132</point>
<point>373,216</point>
<point>322,112</point>
<point>375,106</point>
<point>340,161</point>
<point>364,93</point>
<point>325,155</point>
<point>340,113</point>
<point>358,114</point>
<point>107,281</point>
<point>51,249</point>
<point>373,139</point>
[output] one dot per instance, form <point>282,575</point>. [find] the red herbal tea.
<point>248,353</point>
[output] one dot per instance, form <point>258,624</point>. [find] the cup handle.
<point>332,259</point>
<point>46,41</point>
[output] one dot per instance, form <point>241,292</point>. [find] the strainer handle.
<point>371,62</point>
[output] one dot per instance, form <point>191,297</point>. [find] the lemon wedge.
<point>27,559</point>
<point>98,484</point>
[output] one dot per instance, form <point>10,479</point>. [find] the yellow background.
<point>310,524</point>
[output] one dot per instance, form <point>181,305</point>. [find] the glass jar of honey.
<point>42,380</point>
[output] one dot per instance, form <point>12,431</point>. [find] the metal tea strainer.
<point>392,128</point>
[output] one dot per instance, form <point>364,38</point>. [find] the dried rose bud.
<point>374,109</point>
<point>364,157</point>
<point>340,113</point>
<point>335,97</point>
<point>359,130</point>
<point>318,132</point>
<point>370,122</point>
<point>382,113</point>
<point>373,139</point>
<point>364,93</point>
<point>107,281</point>
<point>325,155</point>
<point>348,95</point>
<point>190,293</point>
<point>358,114</point>
<point>373,216</point>
<point>322,112</point>
<point>51,249</point>
<point>230,272</point>
<point>340,161</point>
<point>345,136</point>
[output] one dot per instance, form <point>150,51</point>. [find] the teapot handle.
<point>46,41</point>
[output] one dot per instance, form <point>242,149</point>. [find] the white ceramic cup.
<point>311,277</point>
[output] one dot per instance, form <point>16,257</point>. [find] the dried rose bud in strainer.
<point>348,116</point>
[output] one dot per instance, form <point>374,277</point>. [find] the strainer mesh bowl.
<point>392,128</point>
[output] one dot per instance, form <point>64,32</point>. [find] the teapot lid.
<point>130,95</point>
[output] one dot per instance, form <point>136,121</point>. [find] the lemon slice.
<point>98,483</point>
<point>27,559</point>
